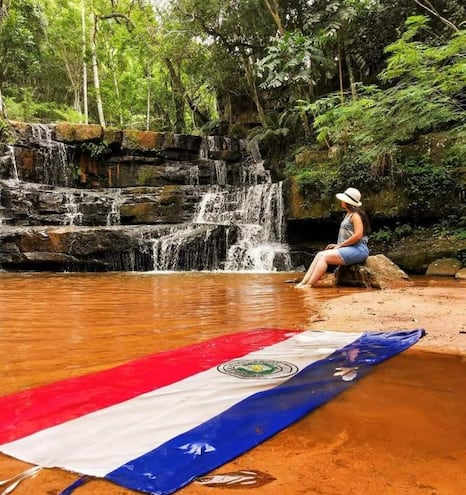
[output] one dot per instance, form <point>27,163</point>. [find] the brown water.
<point>409,410</point>
<point>55,326</point>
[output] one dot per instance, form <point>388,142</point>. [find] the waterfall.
<point>11,151</point>
<point>196,204</point>
<point>194,175</point>
<point>220,176</point>
<point>191,248</point>
<point>15,182</point>
<point>234,228</point>
<point>57,169</point>
<point>72,214</point>
<point>113,217</point>
<point>257,212</point>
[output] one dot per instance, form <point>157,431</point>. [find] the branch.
<point>430,8</point>
<point>215,33</point>
<point>275,15</point>
<point>117,16</point>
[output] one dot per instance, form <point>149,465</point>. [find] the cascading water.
<point>192,204</point>
<point>257,213</point>
<point>245,221</point>
<point>114,217</point>
<point>72,214</point>
<point>57,169</point>
<point>11,151</point>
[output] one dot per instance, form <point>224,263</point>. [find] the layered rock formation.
<point>76,197</point>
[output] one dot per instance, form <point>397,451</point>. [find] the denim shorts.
<point>357,253</point>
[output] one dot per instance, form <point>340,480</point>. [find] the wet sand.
<point>401,430</point>
<point>439,308</point>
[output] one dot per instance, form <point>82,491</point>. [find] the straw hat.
<point>351,197</point>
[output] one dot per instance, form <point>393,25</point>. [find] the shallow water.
<point>55,326</point>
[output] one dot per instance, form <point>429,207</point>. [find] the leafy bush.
<point>95,150</point>
<point>6,134</point>
<point>317,183</point>
<point>427,186</point>
<point>27,109</point>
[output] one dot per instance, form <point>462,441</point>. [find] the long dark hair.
<point>365,219</point>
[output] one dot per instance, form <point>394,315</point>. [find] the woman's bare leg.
<point>319,266</point>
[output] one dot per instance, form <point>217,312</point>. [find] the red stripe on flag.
<point>26,412</point>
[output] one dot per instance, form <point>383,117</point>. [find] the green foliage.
<point>387,236</point>
<point>383,236</point>
<point>95,150</point>
<point>274,134</point>
<point>293,60</point>
<point>427,186</point>
<point>6,133</point>
<point>315,182</point>
<point>27,109</point>
<point>428,82</point>
<point>21,34</point>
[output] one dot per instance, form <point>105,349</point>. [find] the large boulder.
<point>378,272</point>
<point>445,267</point>
<point>416,253</point>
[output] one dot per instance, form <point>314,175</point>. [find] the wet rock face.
<point>78,198</point>
<point>86,156</point>
<point>110,248</point>
<point>38,204</point>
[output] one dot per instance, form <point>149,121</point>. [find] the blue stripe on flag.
<point>248,423</point>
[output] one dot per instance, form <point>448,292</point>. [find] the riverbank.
<point>438,307</point>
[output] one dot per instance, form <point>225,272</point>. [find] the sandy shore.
<point>440,311</point>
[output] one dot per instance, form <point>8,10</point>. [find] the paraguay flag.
<point>157,423</point>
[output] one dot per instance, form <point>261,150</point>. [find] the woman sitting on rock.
<point>351,245</point>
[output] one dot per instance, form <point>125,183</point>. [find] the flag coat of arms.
<point>157,423</point>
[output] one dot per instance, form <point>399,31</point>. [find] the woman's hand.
<point>331,246</point>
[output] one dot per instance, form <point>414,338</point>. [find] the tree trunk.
<point>178,97</point>
<point>352,81</point>
<point>115,84</point>
<point>95,70</point>
<point>148,104</point>
<point>273,8</point>
<point>2,107</point>
<point>85,109</point>
<point>340,72</point>
<point>250,77</point>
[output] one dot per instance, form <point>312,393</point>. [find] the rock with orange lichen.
<point>142,140</point>
<point>78,133</point>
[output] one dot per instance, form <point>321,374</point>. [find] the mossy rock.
<point>141,213</point>
<point>78,133</point>
<point>414,254</point>
<point>19,127</point>
<point>146,175</point>
<point>113,136</point>
<point>142,140</point>
<point>300,208</point>
<point>171,195</point>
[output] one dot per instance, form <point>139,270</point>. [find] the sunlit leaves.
<point>293,59</point>
<point>422,87</point>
